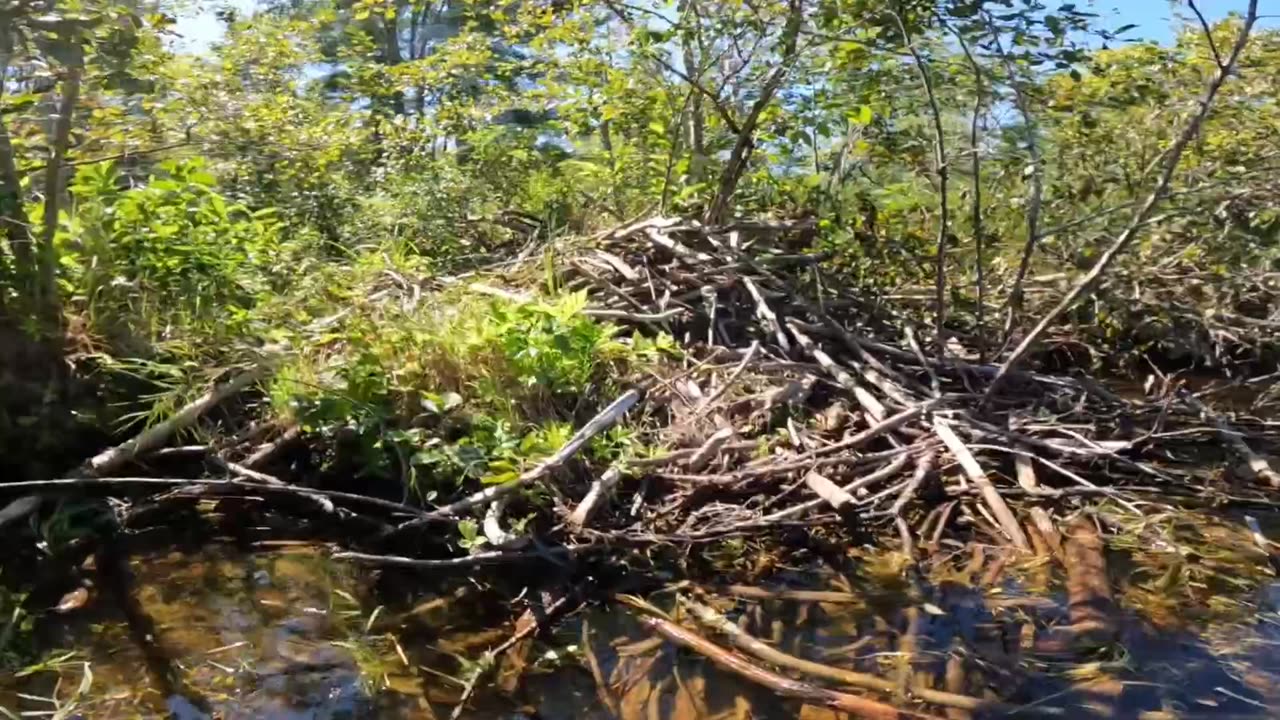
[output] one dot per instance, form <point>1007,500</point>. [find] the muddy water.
<point>286,633</point>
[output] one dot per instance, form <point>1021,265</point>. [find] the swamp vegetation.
<point>632,359</point>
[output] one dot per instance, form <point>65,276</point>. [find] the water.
<point>286,633</point>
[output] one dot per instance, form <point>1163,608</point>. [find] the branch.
<point>63,485</point>
<point>713,620</point>
<point>716,102</point>
<point>940,169</point>
<point>112,459</point>
<point>1085,285</point>
<point>694,83</point>
<point>123,155</point>
<point>735,663</point>
<point>11,215</point>
<point>598,424</point>
<point>1208,34</point>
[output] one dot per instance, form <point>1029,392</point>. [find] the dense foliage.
<point>966,159</point>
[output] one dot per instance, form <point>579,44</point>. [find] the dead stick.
<point>1027,479</point>
<point>710,448</point>
<point>739,665</point>
<point>268,451</point>
<point>71,484</point>
<point>707,616</point>
<point>484,558</point>
<point>979,478</point>
<point>887,471</point>
<point>766,313</point>
<point>868,401</point>
<point>1257,465</point>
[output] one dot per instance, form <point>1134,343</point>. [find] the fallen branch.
<point>741,666</point>
<point>524,629</point>
<point>63,485</point>
<point>600,489</point>
<point>1027,479</point>
<point>484,558</point>
<point>1257,465</point>
<point>114,458</point>
<point>737,637</point>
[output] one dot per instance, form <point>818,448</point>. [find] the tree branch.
<point>48,254</point>
<point>1208,34</point>
<point>11,215</point>
<point>976,170</point>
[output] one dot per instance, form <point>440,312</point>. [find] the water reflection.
<point>288,634</point>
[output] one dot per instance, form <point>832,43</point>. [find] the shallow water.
<point>288,634</point>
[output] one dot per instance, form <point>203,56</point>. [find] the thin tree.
<point>1171,160</point>
<point>940,171</point>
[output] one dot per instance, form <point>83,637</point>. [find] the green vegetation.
<point>317,192</point>
<point>462,388</point>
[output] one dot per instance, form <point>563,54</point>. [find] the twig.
<point>1172,157</point>
<point>728,383</point>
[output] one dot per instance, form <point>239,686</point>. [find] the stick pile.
<point>795,403</point>
<point>800,402</point>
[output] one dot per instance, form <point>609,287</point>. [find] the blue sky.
<point>1156,19</point>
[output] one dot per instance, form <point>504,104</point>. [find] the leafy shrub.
<point>473,389</point>
<point>170,253</point>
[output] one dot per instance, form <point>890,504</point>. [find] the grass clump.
<point>466,388</point>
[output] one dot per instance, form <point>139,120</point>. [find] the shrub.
<point>468,388</point>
